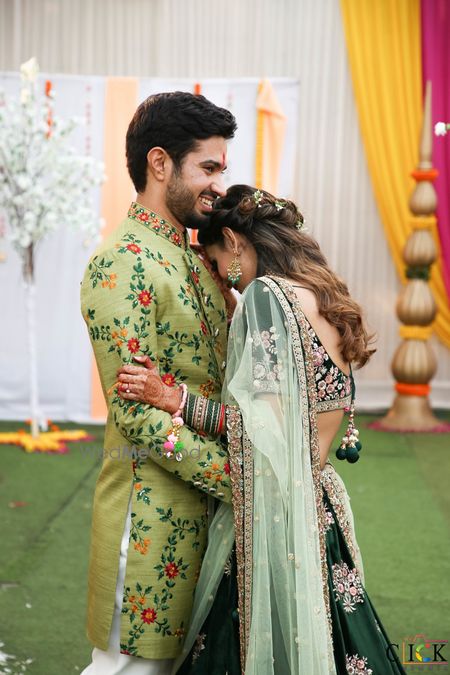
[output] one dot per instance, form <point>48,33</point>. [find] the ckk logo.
<point>422,651</point>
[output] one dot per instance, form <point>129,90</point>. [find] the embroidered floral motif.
<point>199,646</point>
<point>154,222</point>
<point>331,382</point>
<point>347,586</point>
<point>267,366</point>
<point>207,388</point>
<point>357,665</point>
<point>329,520</point>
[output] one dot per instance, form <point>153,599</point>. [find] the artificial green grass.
<point>400,499</point>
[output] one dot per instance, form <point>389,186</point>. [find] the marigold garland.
<point>47,441</point>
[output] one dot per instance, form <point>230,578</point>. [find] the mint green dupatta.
<point>277,516</point>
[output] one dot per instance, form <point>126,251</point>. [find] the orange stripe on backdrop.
<point>270,133</point>
<point>121,100</point>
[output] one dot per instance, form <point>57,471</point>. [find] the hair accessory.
<point>258,197</point>
<point>280,205</point>
<point>350,446</point>
<point>234,271</point>
<point>173,446</point>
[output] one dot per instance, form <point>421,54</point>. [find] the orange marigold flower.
<point>124,332</point>
<point>134,608</point>
<point>208,474</point>
<point>219,477</point>
<point>113,276</point>
<point>112,284</point>
<point>214,467</point>
<point>131,598</point>
<point>141,600</point>
<point>114,334</point>
<point>105,283</point>
<point>138,486</point>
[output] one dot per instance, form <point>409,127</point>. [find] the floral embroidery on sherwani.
<point>146,292</point>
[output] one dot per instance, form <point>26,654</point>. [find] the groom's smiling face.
<point>195,186</point>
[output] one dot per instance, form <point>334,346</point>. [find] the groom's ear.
<point>159,163</point>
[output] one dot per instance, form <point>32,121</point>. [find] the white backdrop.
<point>199,39</point>
<point>64,368</point>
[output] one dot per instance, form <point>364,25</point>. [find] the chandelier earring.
<point>234,271</point>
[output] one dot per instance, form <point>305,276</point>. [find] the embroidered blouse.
<point>333,386</point>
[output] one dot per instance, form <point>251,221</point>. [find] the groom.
<point>146,293</point>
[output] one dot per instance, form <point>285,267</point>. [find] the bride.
<point>281,589</point>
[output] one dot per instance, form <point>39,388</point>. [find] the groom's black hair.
<point>175,122</point>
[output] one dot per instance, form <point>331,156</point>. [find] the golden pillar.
<point>414,363</point>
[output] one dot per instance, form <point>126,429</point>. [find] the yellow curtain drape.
<point>384,50</point>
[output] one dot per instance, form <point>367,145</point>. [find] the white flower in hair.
<point>258,197</point>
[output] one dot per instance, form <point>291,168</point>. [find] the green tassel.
<point>352,454</point>
<point>341,453</point>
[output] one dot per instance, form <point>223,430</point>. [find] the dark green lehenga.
<point>360,643</point>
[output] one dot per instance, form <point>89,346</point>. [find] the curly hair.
<point>174,121</point>
<point>283,248</point>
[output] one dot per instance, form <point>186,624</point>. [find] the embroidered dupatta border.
<point>240,451</point>
<point>303,354</point>
<point>337,498</point>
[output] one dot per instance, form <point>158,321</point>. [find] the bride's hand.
<point>144,384</point>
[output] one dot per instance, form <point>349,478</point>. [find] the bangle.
<point>173,446</point>
<point>184,389</point>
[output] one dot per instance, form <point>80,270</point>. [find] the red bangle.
<point>221,420</point>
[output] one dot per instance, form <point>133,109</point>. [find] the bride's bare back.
<point>328,422</point>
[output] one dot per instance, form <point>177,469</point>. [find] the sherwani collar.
<point>154,222</point>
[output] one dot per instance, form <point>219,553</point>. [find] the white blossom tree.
<point>43,183</point>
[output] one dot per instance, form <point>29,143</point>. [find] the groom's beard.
<point>180,201</point>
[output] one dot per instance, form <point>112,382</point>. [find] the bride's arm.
<point>144,384</point>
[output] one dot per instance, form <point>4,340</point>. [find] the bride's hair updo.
<point>274,228</point>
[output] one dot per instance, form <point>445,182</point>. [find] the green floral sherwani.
<point>145,291</point>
